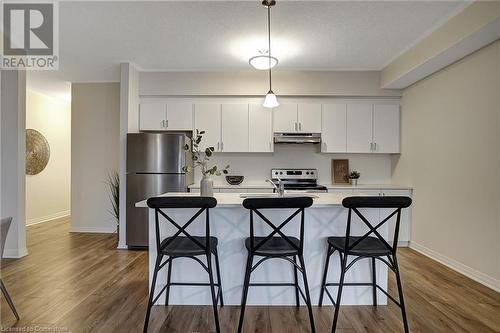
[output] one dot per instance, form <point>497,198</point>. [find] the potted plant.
<point>201,157</point>
<point>113,184</point>
<point>353,177</point>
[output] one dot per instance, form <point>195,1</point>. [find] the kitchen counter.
<point>230,224</point>
<point>234,199</point>
<point>266,185</point>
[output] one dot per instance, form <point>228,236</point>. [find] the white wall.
<point>95,123</point>
<point>13,147</point>
<point>450,155</point>
<point>375,169</point>
<point>48,193</point>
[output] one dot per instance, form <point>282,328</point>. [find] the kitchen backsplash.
<point>256,167</point>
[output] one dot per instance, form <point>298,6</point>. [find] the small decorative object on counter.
<point>353,177</point>
<point>200,159</point>
<point>340,171</point>
<point>234,180</point>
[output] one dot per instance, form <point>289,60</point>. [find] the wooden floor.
<point>81,283</point>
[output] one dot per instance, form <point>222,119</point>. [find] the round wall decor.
<point>37,152</point>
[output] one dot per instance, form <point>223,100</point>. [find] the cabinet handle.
<point>222,146</point>
<point>371,146</point>
<point>300,126</point>
<point>218,145</point>
<point>374,146</point>
<point>166,123</point>
<point>295,127</point>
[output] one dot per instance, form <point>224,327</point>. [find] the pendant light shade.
<point>261,62</point>
<point>270,101</point>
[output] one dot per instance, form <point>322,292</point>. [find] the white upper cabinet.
<point>207,117</point>
<point>152,116</point>
<point>359,128</point>
<point>309,118</point>
<point>179,117</point>
<point>285,118</point>
<point>334,135</point>
<point>386,126</point>
<point>260,129</point>
<point>234,128</point>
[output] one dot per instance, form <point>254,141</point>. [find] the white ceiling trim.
<point>473,42</point>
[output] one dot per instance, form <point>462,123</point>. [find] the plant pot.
<point>207,186</point>
<point>354,181</point>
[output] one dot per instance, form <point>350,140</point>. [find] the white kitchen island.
<point>230,224</point>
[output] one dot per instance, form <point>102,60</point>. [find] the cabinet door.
<point>180,116</point>
<point>333,133</point>
<point>285,118</point>
<point>260,129</point>
<point>207,117</point>
<point>234,128</point>
<point>309,118</point>
<point>152,116</point>
<point>359,128</point>
<point>386,128</point>
<point>405,222</point>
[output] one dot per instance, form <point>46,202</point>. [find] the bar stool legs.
<point>216,296</point>
<point>244,294</point>
<point>8,299</point>
<point>306,294</point>
<point>401,297</point>
<point>212,290</point>
<point>169,276</point>
<point>151,293</point>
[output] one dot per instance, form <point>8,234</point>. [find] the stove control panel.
<point>294,173</point>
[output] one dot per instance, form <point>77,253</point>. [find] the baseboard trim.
<point>99,230</point>
<point>471,273</point>
<point>47,218</point>
<point>15,253</point>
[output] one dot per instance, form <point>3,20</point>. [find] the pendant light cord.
<point>269,42</point>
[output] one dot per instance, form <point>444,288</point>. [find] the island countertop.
<point>234,199</point>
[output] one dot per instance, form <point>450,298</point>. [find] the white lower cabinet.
<point>380,214</point>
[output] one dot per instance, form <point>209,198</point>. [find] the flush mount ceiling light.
<point>261,62</point>
<point>270,101</point>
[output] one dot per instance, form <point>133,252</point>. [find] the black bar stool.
<point>187,246</point>
<point>282,247</point>
<point>366,246</point>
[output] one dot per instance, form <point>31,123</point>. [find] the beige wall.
<point>48,193</point>
<point>450,154</point>
<point>95,119</point>
<point>255,83</point>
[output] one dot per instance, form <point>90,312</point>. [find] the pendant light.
<point>270,101</point>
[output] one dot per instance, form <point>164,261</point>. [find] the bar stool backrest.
<point>255,205</point>
<point>4,228</point>
<point>161,204</point>
<point>395,202</point>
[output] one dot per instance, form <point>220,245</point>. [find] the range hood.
<point>313,138</point>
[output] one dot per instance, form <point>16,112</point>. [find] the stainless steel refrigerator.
<point>154,166</point>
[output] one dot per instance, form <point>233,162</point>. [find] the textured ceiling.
<point>211,35</point>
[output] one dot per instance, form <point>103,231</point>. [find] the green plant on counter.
<point>201,157</point>
<point>113,184</point>
<point>354,174</point>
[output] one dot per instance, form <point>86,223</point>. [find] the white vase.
<point>354,181</point>
<point>207,186</point>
